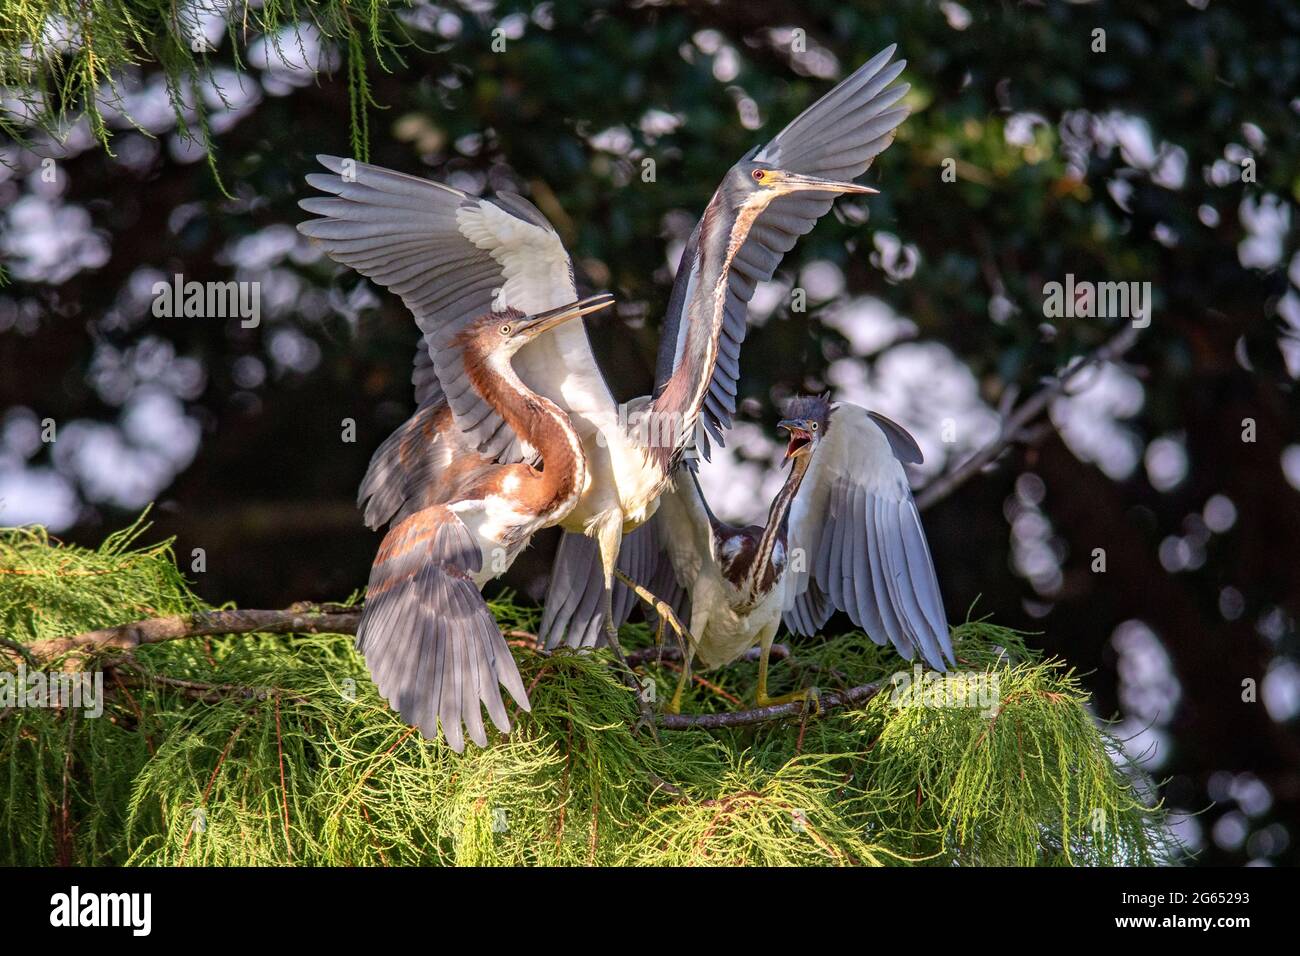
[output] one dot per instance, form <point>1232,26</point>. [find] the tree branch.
<point>836,700</point>
<point>1016,424</point>
<point>302,618</point>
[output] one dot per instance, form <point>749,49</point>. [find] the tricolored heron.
<point>842,534</point>
<point>458,519</point>
<point>767,200</point>
<point>452,256</point>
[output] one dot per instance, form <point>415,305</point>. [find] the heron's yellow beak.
<point>785,182</point>
<point>532,326</point>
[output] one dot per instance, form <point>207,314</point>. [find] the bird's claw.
<point>813,696</point>
<point>808,696</point>
<point>646,721</point>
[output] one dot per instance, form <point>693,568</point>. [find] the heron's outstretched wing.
<point>864,551</point>
<point>424,462</point>
<point>429,640</point>
<point>451,257</point>
<point>835,138</point>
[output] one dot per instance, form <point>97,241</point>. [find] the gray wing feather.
<point>868,617</point>
<point>810,611</point>
<point>882,584</point>
<point>836,138</point>
<point>428,390</point>
<point>403,233</point>
<point>835,576</point>
<point>903,604</point>
<point>871,618</point>
<point>432,646</point>
<point>844,526</point>
<point>472,696</point>
<point>901,441</point>
<point>570,614</point>
<point>896,573</point>
<point>855,515</point>
<point>925,584</point>
<point>449,710</point>
<point>399,476</point>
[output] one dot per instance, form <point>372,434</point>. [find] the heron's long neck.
<point>538,421</point>
<point>719,236</point>
<point>761,576</point>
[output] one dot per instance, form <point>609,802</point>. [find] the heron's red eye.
<point>758,175</point>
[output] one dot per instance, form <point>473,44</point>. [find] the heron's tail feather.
<point>574,614</point>
<point>429,640</point>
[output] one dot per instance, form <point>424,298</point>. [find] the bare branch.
<point>301,618</point>
<point>1015,426</point>
<point>21,650</point>
<point>836,700</point>
<point>645,655</point>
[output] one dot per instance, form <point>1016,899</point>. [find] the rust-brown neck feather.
<point>536,420</point>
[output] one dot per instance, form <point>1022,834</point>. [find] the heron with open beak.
<point>458,518</point>
<point>766,201</point>
<point>451,256</point>
<point>843,533</point>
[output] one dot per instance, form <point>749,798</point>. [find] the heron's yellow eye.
<point>814,426</point>
<point>505,330</point>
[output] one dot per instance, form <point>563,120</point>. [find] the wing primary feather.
<point>428,638</point>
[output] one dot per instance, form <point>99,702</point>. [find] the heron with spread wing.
<point>457,518</point>
<point>451,257</point>
<point>772,196</point>
<point>842,534</point>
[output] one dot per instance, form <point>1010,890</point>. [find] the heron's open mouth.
<point>798,440</point>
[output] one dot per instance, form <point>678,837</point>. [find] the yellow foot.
<point>809,695</point>
<point>665,613</point>
<point>675,705</point>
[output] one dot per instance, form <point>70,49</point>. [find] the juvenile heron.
<point>451,256</point>
<point>842,534</point>
<point>459,518</point>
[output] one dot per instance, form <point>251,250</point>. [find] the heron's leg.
<point>675,705</point>
<point>699,625</point>
<point>661,608</point>
<point>609,540</point>
<point>809,695</point>
<point>647,718</point>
